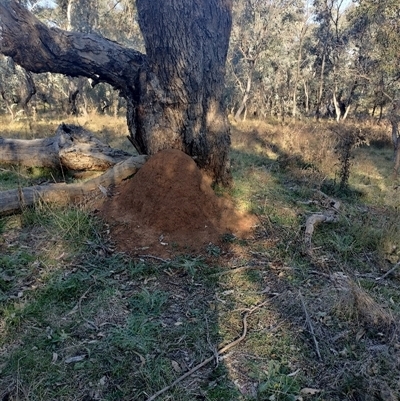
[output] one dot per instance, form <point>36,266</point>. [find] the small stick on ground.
<point>310,326</point>
<point>220,352</point>
<point>154,257</point>
<point>388,273</point>
<point>238,269</point>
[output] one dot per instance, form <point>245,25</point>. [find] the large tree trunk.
<point>174,93</point>
<point>186,45</point>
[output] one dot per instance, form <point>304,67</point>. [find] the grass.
<point>79,321</point>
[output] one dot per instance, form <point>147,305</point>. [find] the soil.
<point>168,207</point>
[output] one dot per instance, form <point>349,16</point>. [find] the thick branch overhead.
<point>37,48</point>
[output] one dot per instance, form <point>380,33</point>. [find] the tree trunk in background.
<point>396,144</point>
<point>174,93</point>
<point>17,101</point>
<point>297,76</point>
<point>350,100</point>
<point>178,98</point>
<point>245,97</point>
<point>306,100</point>
<point>81,17</point>
<point>394,118</point>
<point>336,104</point>
<point>321,87</point>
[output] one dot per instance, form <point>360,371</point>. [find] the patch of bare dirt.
<point>169,207</point>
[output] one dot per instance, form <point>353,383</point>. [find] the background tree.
<point>303,25</point>
<point>262,55</point>
<point>326,58</point>
<point>16,87</point>
<point>375,30</point>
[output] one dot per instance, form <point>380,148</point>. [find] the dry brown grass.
<point>354,303</point>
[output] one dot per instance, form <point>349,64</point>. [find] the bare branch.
<point>37,48</point>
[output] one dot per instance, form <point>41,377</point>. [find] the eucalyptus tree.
<point>380,23</point>
<point>302,30</point>
<point>174,92</point>
<point>376,34</point>
<point>16,87</point>
<point>331,52</point>
<point>262,55</point>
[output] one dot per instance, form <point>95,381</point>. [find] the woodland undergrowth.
<point>295,321</point>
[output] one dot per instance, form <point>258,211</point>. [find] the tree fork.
<point>174,93</point>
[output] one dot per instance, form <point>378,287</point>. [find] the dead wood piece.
<point>330,216</point>
<point>14,200</point>
<point>72,148</point>
<point>30,153</point>
<point>329,202</point>
<point>80,150</point>
<point>388,273</point>
<point>313,220</point>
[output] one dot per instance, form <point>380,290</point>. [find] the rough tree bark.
<point>174,93</point>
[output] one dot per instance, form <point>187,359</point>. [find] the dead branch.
<point>238,270</point>
<point>310,326</point>
<point>330,216</point>
<point>155,258</point>
<point>220,352</point>
<point>14,200</point>
<point>388,273</point>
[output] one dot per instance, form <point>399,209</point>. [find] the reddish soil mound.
<point>169,207</point>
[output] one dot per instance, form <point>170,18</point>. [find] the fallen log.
<point>331,215</point>
<point>72,148</point>
<point>15,200</point>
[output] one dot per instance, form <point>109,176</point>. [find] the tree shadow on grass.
<point>101,325</point>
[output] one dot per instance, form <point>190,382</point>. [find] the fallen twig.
<point>310,326</point>
<point>78,307</point>
<point>238,269</point>
<point>220,352</point>
<point>388,273</point>
<point>155,258</point>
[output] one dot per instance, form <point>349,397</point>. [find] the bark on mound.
<point>169,204</point>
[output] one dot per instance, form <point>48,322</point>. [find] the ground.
<point>88,315</point>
